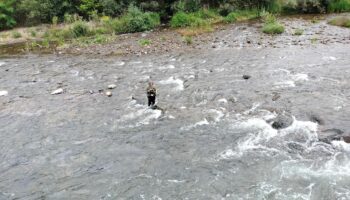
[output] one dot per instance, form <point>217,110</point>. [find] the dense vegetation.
<point>97,21</point>
<point>31,12</point>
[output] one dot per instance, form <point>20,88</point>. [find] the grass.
<point>182,19</point>
<point>298,32</point>
<point>241,15</point>
<point>188,40</point>
<point>194,31</point>
<point>339,6</point>
<point>340,21</point>
<point>16,34</point>
<point>314,40</point>
<point>33,33</point>
<point>272,26</point>
<point>144,42</point>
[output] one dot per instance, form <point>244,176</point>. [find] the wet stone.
<point>58,91</point>
<point>246,77</point>
<point>108,93</point>
<point>282,121</point>
<point>112,86</point>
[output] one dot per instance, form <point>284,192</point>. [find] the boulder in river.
<point>58,91</point>
<point>282,121</point>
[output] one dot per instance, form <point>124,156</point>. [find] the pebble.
<point>108,93</point>
<point>3,93</point>
<point>58,91</point>
<point>112,86</point>
<point>246,77</point>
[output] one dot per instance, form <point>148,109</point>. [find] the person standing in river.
<point>151,94</point>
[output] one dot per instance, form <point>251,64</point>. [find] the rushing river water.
<point>212,141</point>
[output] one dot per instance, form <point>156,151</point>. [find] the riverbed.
<point>211,140</point>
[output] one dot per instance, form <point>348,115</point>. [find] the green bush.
<point>340,21</point>
<point>134,21</point>
<point>273,28</point>
<point>138,21</point>
<point>241,15</point>
<point>232,17</point>
<point>182,19</point>
<point>112,7</point>
<point>187,5</point>
<point>7,14</point>
<point>269,18</point>
<point>339,6</point>
<point>79,29</point>
<point>33,33</point>
<point>55,20</point>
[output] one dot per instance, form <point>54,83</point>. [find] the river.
<point>211,142</point>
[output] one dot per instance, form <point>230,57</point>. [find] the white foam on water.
<point>300,77</point>
<point>329,58</point>
<point>218,114</point>
<point>227,154</point>
<point>139,115</point>
<point>304,158</point>
<point>201,123</point>
<point>167,67</point>
<point>284,70</point>
<point>223,100</point>
<point>252,109</point>
<point>173,81</point>
<point>190,76</point>
<point>2,63</point>
<point>3,93</point>
<point>145,78</point>
<point>155,197</point>
<point>220,69</point>
<point>177,181</point>
<point>151,115</point>
<point>284,84</point>
<point>121,63</point>
<point>341,146</point>
<point>136,62</point>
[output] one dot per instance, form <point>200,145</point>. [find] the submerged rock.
<point>282,121</point>
<point>246,77</point>
<point>58,91</point>
<point>317,119</point>
<point>333,134</point>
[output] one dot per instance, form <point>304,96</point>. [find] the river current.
<point>211,141</point>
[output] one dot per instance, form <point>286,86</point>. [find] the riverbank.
<point>300,30</point>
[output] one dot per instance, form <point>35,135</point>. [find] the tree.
<point>6,14</point>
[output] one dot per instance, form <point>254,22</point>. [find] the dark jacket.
<point>151,91</point>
